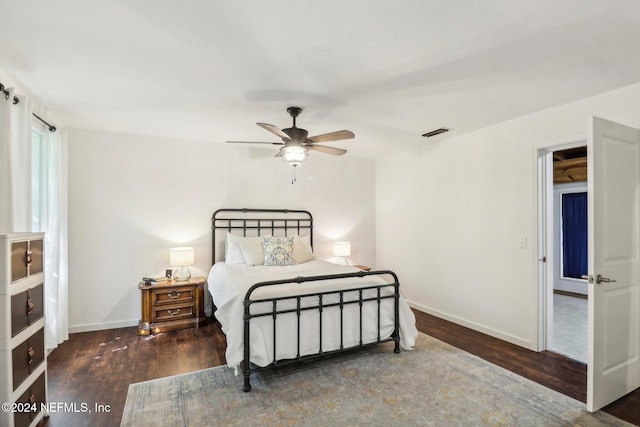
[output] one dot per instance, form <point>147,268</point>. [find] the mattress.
<point>228,284</point>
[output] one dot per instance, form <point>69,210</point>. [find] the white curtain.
<point>15,163</point>
<point>53,221</point>
<point>6,211</point>
<point>17,212</point>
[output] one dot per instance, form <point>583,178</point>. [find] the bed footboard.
<point>369,294</point>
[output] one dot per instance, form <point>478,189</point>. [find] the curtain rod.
<point>6,94</point>
<point>51,127</point>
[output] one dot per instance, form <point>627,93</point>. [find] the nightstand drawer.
<point>26,308</point>
<point>26,357</point>
<point>166,314</point>
<point>172,295</point>
<point>34,396</point>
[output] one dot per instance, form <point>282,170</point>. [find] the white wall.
<point>451,214</point>
<point>131,198</point>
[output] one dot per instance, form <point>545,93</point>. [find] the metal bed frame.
<point>258,222</point>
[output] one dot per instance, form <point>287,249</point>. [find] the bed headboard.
<point>257,222</point>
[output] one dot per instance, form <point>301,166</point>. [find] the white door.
<point>614,265</point>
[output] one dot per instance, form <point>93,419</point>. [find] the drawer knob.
<point>32,399</point>
<point>174,312</point>
<point>28,258</point>
<point>31,355</point>
<point>174,294</point>
<point>30,306</point>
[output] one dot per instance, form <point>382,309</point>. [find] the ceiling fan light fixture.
<point>294,154</point>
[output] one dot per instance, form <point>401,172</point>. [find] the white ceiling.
<point>388,71</point>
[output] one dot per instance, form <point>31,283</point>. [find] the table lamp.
<point>181,258</point>
<point>342,250</point>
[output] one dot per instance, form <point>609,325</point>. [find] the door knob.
<point>600,279</point>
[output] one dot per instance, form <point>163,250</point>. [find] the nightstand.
<point>362,267</point>
<point>172,305</point>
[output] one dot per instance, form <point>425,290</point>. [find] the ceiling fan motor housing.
<point>296,134</point>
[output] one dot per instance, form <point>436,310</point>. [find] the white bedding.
<point>228,284</point>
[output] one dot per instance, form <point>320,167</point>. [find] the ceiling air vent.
<point>435,132</point>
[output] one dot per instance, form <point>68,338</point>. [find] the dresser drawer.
<point>34,396</point>
<point>26,308</point>
<point>26,357</point>
<point>172,295</point>
<point>26,259</point>
<point>175,312</point>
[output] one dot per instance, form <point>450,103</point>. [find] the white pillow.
<point>232,252</point>
<point>252,250</point>
<point>278,251</point>
<point>302,249</point>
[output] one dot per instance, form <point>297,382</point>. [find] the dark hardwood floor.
<point>97,367</point>
<point>549,369</point>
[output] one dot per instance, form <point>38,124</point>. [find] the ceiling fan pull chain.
<point>293,175</point>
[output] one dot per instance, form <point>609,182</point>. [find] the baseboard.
<point>101,326</point>
<point>475,326</point>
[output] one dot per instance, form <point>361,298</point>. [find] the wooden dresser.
<point>23,358</point>
<point>172,305</point>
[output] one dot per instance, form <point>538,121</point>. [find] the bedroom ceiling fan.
<point>296,143</point>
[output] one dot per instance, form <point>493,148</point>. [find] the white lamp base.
<point>342,260</point>
<point>181,274</point>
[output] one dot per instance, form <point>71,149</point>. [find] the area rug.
<point>434,385</point>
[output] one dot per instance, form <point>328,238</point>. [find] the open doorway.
<point>613,241</point>
<point>565,223</point>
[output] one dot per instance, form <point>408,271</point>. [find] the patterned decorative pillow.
<point>278,250</point>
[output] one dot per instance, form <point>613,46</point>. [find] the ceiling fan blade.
<point>333,136</point>
<point>278,154</point>
<point>274,130</point>
<point>254,142</point>
<point>327,150</point>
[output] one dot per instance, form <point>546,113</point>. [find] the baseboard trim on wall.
<point>476,327</point>
<point>101,326</point>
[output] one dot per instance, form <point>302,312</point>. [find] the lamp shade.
<point>182,256</point>
<point>341,249</point>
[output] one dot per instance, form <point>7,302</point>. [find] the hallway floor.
<point>570,323</point>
